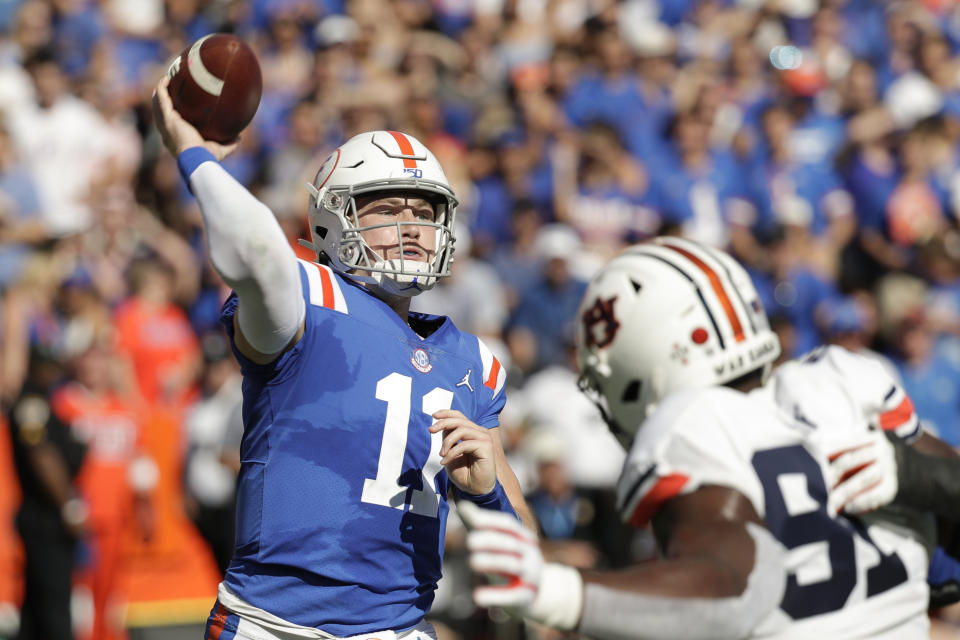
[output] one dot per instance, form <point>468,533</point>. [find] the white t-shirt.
<point>64,147</point>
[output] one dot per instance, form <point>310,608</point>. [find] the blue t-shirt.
<point>682,195</point>
<point>17,184</point>
<point>772,185</point>
<point>871,187</point>
<point>934,388</point>
<point>342,500</point>
<point>549,312</point>
<point>796,297</point>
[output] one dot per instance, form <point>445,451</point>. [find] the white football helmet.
<point>663,316</point>
<point>370,162</point>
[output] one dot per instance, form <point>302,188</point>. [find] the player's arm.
<point>721,574</point>
<point>247,247</point>
<point>511,485</point>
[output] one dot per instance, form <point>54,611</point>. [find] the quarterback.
<point>731,466</point>
<point>359,415</point>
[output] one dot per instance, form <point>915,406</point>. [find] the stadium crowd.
<point>818,142</point>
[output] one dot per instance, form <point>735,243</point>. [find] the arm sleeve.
<point>927,482</point>
<point>248,249</point>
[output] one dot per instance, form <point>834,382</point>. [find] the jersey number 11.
<point>385,490</point>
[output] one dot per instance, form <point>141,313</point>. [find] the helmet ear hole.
<point>321,232</point>
<point>632,392</point>
<point>349,253</point>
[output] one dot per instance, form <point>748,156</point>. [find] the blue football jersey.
<point>342,500</point>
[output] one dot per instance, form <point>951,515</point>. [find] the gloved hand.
<point>863,474</point>
<point>521,582</point>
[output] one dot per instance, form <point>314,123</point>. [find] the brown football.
<point>215,84</point>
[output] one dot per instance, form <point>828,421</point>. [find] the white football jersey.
<point>846,578</point>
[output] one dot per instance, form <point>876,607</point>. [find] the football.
<point>215,84</point>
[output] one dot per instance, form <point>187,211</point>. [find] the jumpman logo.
<point>466,381</point>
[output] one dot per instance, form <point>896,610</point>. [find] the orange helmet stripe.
<point>718,289</point>
<point>405,148</point>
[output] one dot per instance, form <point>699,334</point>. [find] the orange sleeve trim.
<point>491,380</point>
<point>327,286</point>
<point>898,416</point>
<point>666,488</point>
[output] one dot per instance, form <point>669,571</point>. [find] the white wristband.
<point>559,599</point>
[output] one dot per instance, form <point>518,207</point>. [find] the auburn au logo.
<point>599,324</point>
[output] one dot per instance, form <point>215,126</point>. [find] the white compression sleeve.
<point>250,252</point>
<point>620,615</point>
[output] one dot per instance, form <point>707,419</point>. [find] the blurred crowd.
<point>819,142</point>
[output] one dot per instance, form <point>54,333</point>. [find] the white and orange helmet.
<point>667,315</point>
<point>370,162</point>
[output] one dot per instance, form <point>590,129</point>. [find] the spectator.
<point>694,187</point>
<point>598,191</point>
<point>52,517</point>
<point>214,427</point>
<point>63,141</point>
<point>790,289</point>
<point>97,404</point>
<point>156,335</point>
<point>850,322</point>
<point>812,196</point>
<point>542,323</point>
<point>566,517</point>
<point>21,225</point>
<point>929,375</point>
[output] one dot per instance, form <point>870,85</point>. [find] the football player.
<point>730,464</point>
<point>359,415</point>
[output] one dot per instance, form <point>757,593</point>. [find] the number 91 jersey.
<point>846,578</point>
<point>342,500</point>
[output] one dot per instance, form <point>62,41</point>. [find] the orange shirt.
<point>11,553</point>
<point>162,346</point>
<point>172,576</point>
<point>109,427</point>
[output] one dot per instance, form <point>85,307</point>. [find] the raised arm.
<point>247,247</point>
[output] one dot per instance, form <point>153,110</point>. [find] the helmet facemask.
<point>382,163</point>
<point>351,255</point>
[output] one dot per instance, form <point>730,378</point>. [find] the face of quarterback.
<point>419,238</point>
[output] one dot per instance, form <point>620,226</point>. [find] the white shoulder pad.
<point>833,387</point>
<point>323,288</point>
<point>695,438</point>
<point>494,376</point>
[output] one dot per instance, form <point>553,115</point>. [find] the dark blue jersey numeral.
<point>796,495</point>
